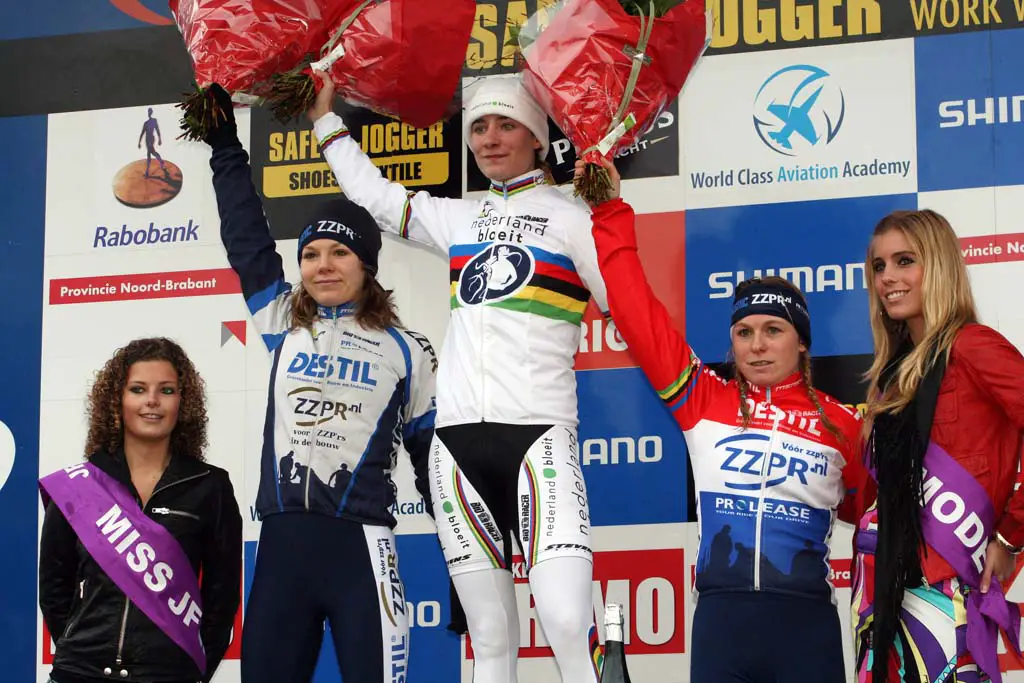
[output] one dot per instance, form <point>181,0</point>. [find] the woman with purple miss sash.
<point>141,552</point>
<point>944,433</point>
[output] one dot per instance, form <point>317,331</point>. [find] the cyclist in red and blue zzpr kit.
<point>774,462</point>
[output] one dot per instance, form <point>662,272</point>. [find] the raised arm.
<point>645,325</point>
<point>251,250</point>
<point>413,215</point>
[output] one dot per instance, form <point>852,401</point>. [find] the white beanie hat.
<point>505,95</point>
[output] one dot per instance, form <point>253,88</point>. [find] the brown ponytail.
<point>805,369</point>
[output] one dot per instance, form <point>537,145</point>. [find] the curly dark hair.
<point>106,431</point>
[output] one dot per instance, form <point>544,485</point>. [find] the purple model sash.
<point>957,521</point>
<point>137,553</point>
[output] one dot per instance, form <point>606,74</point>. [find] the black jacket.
<point>88,615</point>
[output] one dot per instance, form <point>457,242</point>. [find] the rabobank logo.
<point>7,449</point>
<point>155,180</point>
<point>497,272</point>
<point>798,107</point>
<point>58,18</point>
<point>749,467</point>
<point>146,178</point>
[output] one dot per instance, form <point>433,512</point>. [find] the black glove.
<point>458,617</point>
<point>225,131</point>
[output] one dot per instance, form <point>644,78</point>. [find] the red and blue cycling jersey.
<point>768,493</point>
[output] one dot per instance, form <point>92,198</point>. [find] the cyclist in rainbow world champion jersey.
<point>774,461</point>
<point>523,267</point>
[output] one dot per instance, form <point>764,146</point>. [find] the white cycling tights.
<point>561,589</point>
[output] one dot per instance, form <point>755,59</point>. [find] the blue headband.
<point>348,223</point>
<point>762,298</point>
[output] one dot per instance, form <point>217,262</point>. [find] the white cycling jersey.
<point>523,267</point>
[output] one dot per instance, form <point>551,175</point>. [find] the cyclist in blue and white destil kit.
<point>505,462</point>
<point>348,387</point>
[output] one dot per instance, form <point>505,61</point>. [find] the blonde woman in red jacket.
<point>943,427</point>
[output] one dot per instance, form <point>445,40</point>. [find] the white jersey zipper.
<point>765,468</point>
<point>331,361</point>
<point>483,324</point>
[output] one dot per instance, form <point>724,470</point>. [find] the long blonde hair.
<point>947,304</point>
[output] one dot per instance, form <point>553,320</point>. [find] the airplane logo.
<point>798,107</point>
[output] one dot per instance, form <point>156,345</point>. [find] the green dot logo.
<point>447,507</point>
<point>549,472</point>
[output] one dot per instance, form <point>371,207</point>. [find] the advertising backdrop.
<point>805,122</point>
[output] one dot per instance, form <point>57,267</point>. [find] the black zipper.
<point>81,609</point>
<point>127,602</point>
<point>174,513</point>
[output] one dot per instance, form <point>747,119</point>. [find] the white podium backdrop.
<point>913,112</point>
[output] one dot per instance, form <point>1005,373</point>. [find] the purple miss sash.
<point>957,521</point>
<point>137,553</point>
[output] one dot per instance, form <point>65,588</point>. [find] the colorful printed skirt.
<point>931,639</point>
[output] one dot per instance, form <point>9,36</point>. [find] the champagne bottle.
<point>614,669</point>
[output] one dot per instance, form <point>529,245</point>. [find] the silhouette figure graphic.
<point>291,472</point>
<point>151,131</point>
<point>807,564</point>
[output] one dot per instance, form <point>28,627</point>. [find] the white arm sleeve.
<point>413,215</point>
<point>580,245</point>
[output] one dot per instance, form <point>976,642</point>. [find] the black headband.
<point>760,298</point>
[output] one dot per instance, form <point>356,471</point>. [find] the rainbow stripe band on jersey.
<point>334,137</point>
<point>518,186</point>
<point>553,289</point>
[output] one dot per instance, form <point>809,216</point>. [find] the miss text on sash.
<point>113,526</point>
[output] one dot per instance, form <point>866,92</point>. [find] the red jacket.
<point>979,420</point>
